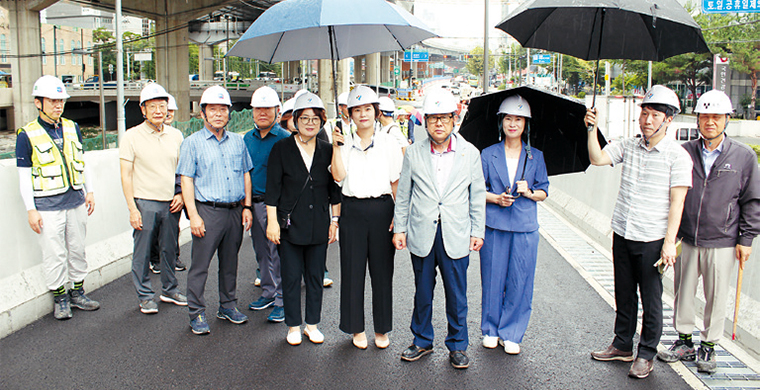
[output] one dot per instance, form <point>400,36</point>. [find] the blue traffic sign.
<point>416,56</point>
<point>726,6</point>
<point>542,59</point>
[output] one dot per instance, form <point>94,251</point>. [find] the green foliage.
<point>736,36</point>
<point>240,122</point>
<point>475,62</point>
<point>756,148</point>
<point>106,42</point>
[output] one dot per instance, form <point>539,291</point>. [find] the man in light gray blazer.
<point>440,213</point>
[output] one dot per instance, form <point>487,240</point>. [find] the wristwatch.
<point>248,208</point>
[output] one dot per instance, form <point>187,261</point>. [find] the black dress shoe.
<point>459,359</point>
<point>414,353</point>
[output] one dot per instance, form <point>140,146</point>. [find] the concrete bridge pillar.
<point>324,76</point>
<point>26,64</point>
<point>344,75</point>
<point>358,70</point>
<point>172,62</point>
<point>205,66</point>
<point>385,68</point>
<point>373,68</point>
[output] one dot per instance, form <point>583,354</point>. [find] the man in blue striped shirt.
<point>216,186</point>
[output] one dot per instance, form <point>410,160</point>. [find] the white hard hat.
<point>386,104</point>
<point>515,105</point>
<point>216,95</point>
<point>152,91</point>
<point>172,104</point>
<point>265,97</point>
<point>50,87</point>
<point>439,101</point>
<point>714,102</point>
<point>361,94</point>
<point>343,99</point>
<point>660,94</point>
<point>299,93</point>
<point>308,100</point>
<point>288,105</point>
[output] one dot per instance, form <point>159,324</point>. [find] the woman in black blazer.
<point>298,194</point>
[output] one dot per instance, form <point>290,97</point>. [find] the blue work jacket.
<point>522,215</point>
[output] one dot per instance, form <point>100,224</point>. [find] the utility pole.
<point>102,98</point>
<point>121,124</point>
<point>485,51</point>
<point>55,50</point>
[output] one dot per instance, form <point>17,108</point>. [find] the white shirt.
<point>370,171</point>
<point>512,164</point>
<point>643,203</point>
<point>307,159</point>
<point>395,131</point>
<point>443,163</point>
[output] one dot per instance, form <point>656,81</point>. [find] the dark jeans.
<point>454,275</point>
<point>635,270</point>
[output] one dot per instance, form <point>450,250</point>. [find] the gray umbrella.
<point>329,29</point>
<point>606,29</point>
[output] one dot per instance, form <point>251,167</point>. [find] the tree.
<point>103,39</point>
<point>736,36</point>
<point>577,73</point>
<point>475,62</point>
<point>691,69</point>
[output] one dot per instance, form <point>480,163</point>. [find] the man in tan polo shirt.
<point>149,153</point>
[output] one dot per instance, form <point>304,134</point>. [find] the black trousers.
<point>224,234</point>
<point>365,239</point>
<point>634,269</point>
<point>307,262</point>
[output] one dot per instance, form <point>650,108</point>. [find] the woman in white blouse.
<point>367,167</point>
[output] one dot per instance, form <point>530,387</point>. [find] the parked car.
<point>683,132</point>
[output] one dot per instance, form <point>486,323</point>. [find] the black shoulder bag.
<point>283,218</point>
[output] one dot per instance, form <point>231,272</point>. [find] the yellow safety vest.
<point>53,172</point>
<point>404,126</point>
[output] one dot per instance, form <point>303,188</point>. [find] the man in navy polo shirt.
<point>259,142</point>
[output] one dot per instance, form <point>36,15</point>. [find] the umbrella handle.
<point>738,296</point>
<point>333,49</point>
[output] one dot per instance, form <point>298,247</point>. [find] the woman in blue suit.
<point>516,179</point>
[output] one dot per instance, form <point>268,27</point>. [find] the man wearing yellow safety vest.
<point>58,194</point>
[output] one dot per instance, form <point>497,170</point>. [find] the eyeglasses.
<point>309,120</point>
<point>443,119</point>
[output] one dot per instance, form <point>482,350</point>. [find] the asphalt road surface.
<point>117,347</point>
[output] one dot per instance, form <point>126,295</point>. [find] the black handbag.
<point>283,217</point>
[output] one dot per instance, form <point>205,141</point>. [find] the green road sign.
<point>396,70</point>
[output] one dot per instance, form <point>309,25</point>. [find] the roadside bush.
<point>756,148</point>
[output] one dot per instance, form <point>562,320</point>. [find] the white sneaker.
<point>294,338</point>
<point>327,282</point>
<point>510,347</point>
<point>257,282</point>
<point>490,342</point>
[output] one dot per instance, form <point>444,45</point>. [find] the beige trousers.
<point>62,245</point>
<point>716,266</point>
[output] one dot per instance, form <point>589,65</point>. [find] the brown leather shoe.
<point>641,368</point>
<point>612,353</point>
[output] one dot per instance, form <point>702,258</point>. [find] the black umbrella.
<point>556,127</point>
<point>606,29</point>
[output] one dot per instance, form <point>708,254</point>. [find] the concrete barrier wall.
<point>587,200</point>
<point>24,297</point>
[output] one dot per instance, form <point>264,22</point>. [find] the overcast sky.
<point>461,21</point>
